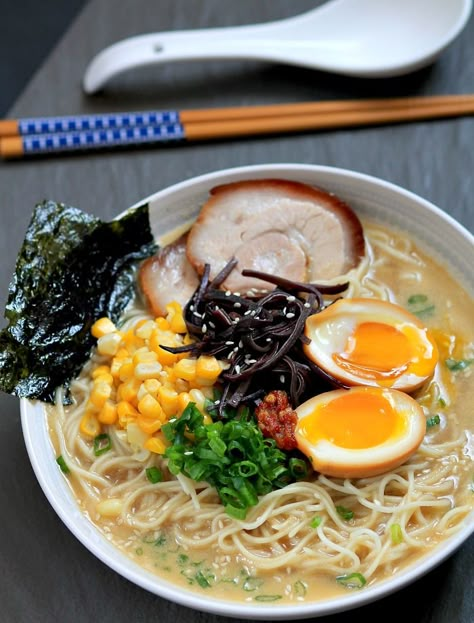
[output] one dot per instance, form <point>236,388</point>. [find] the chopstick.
<point>25,137</point>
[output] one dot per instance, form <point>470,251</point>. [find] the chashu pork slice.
<point>282,227</point>
<point>168,276</point>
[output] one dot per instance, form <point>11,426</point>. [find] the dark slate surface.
<point>47,575</point>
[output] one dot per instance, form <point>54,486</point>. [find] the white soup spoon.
<point>367,38</point>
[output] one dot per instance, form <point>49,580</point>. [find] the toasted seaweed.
<point>72,269</point>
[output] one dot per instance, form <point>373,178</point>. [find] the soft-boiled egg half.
<point>363,341</point>
<point>359,432</point>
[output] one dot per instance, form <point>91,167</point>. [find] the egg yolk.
<point>382,352</point>
<point>354,420</point>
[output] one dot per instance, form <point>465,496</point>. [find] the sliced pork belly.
<point>276,226</point>
<point>168,276</point>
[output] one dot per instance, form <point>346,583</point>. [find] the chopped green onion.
<point>139,551</point>
<point>267,597</point>
<point>419,305</point>
<point>299,588</point>
<point>232,455</point>
<point>315,522</point>
<point>455,365</point>
<point>434,420</point>
<point>345,513</point>
<point>396,533</point>
<point>352,580</point>
<point>182,559</point>
<point>442,402</point>
<point>154,474</point>
<point>416,299</point>
<point>251,583</point>
<point>202,580</point>
<point>102,444</point>
<point>62,464</point>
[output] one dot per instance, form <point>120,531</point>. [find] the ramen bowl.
<point>434,232</point>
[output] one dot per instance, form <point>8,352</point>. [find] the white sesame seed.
<point>290,315</point>
<point>188,452</point>
<point>291,298</point>
<point>269,339</point>
<point>212,325</point>
<point>204,328</point>
<point>237,369</point>
<point>237,304</point>
<point>228,293</point>
<point>229,343</point>
<point>249,311</point>
<point>241,344</point>
<point>216,402</point>
<point>236,293</point>
<point>282,378</point>
<point>307,305</point>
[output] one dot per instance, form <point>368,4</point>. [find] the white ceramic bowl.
<point>434,231</point>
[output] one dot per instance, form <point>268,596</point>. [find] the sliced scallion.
<point>154,474</point>
<point>396,533</point>
<point>102,444</point>
<point>267,597</point>
<point>434,420</point>
<point>316,521</point>
<point>62,464</point>
<point>251,583</point>
<point>352,580</point>
<point>345,513</point>
<point>456,365</point>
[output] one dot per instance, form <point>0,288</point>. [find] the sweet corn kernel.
<point>102,327</point>
<point>108,414</point>
<point>143,355</point>
<point>183,401</point>
<point>89,424</point>
<point>149,425</point>
<point>152,386</point>
<point>145,329</point>
<point>198,398</point>
<point>126,370</point>
<point>175,317</point>
<point>145,371</point>
<point>100,370</point>
<point>126,413</point>
<point>105,377</point>
<point>185,369</point>
<point>129,390</point>
<point>100,393</point>
<point>181,385</point>
<point>162,324</point>
<point>135,436</point>
<point>156,444</point>
<point>109,344</point>
<point>207,367</point>
<point>168,399</point>
<point>141,392</point>
<point>131,341</point>
<point>164,357</point>
<point>151,408</point>
<point>110,508</point>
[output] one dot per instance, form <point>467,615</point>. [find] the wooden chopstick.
<point>124,129</point>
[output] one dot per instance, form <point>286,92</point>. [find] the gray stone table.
<point>47,575</point>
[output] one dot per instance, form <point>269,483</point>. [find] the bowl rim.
<point>33,424</point>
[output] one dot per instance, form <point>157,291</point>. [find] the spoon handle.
<point>241,42</point>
